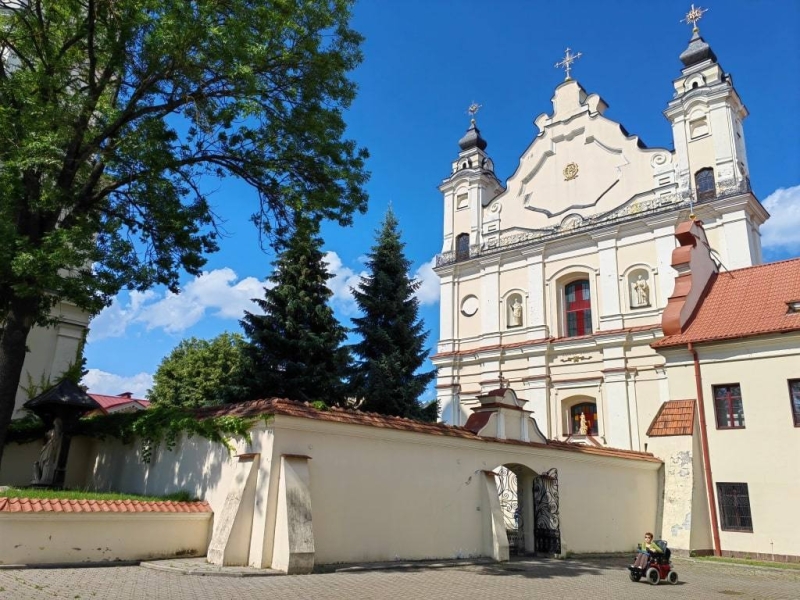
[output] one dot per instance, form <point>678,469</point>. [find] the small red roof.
<point>37,505</point>
<point>743,303</point>
<point>675,417</point>
<point>113,401</point>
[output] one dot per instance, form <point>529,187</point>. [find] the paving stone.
<point>597,578</point>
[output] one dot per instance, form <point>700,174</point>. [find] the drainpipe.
<point>712,502</point>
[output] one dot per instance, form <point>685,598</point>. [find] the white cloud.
<point>213,293</point>
<point>428,291</point>
<point>781,229</point>
<point>342,282</point>
<point>101,382</point>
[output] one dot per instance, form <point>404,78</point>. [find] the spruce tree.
<point>295,348</point>
<point>392,346</point>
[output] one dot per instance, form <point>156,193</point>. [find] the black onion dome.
<point>472,138</point>
<point>697,51</point>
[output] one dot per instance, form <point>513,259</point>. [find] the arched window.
<point>589,421</point>
<point>462,246</point>
<point>578,308</point>
<point>704,184</point>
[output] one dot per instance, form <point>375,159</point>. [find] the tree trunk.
<point>13,348</point>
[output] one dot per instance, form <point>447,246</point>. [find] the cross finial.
<point>566,64</point>
<point>693,16</point>
<point>473,109</point>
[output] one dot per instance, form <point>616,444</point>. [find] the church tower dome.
<point>472,139</point>
<point>697,51</point>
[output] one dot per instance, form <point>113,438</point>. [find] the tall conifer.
<point>295,348</point>
<point>392,346</point>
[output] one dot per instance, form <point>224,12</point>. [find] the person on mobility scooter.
<point>652,562</point>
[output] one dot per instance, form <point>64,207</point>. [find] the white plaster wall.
<point>764,453</point>
<point>382,494</point>
<point>41,538</point>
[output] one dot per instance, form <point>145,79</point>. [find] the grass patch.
<point>45,494</point>
<point>749,562</point>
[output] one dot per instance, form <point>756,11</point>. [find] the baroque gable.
<point>581,167</point>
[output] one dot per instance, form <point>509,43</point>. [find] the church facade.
<point>555,285</point>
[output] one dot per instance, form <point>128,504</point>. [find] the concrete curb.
<point>732,564</point>
<point>78,565</point>
<point>439,564</point>
<point>221,572</point>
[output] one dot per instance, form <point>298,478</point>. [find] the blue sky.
<point>425,62</point>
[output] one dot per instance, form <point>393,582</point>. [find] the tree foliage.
<point>111,113</point>
<point>296,347</point>
<point>392,346</point>
<point>201,373</point>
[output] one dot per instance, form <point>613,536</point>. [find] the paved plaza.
<point>598,579</point>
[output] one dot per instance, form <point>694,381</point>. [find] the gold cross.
<point>567,62</point>
<point>693,16</point>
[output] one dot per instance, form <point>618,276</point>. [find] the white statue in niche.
<point>515,318</point>
<point>640,292</point>
<point>584,428</point>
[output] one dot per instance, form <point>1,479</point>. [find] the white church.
<point>590,285</point>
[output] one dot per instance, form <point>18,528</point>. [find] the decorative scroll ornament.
<point>575,358</point>
<point>570,171</point>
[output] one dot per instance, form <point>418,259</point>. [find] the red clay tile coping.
<point>539,341</point>
<point>290,408</point>
<point>62,505</point>
<point>675,417</point>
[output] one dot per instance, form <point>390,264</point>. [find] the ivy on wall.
<point>152,426</point>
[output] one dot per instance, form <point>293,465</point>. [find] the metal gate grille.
<point>547,526</point>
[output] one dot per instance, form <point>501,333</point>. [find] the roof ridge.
<point>761,266</point>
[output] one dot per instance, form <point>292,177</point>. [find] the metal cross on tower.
<point>693,16</point>
<point>566,64</point>
<point>473,109</point>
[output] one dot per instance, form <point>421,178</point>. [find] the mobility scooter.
<point>656,568</point>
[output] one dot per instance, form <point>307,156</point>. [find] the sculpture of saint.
<point>44,469</point>
<point>584,429</point>
<point>516,314</point>
<point>641,291</point>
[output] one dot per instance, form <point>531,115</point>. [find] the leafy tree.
<point>201,373</point>
<point>392,348</point>
<point>112,112</point>
<point>295,348</point>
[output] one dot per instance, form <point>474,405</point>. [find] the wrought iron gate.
<point>512,513</point>
<point>547,527</point>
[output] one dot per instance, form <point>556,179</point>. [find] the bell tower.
<point>706,115</point>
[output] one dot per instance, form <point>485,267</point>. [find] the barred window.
<point>462,246</point>
<point>734,507</point>
<point>794,397</point>
<point>728,406</point>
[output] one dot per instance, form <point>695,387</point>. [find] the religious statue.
<point>44,469</point>
<point>584,429</point>
<point>516,314</point>
<point>641,292</point>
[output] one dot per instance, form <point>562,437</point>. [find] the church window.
<point>704,184</point>
<point>578,313</point>
<point>462,246</point>
<point>734,507</point>
<point>794,396</point>
<point>589,422</point>
<point>728,406</point>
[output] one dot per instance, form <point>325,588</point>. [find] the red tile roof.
<point>744,303</point>
<point>675,417</point>
<point>37,505</point>
<point>112,401</point>
<point>289,408</point>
